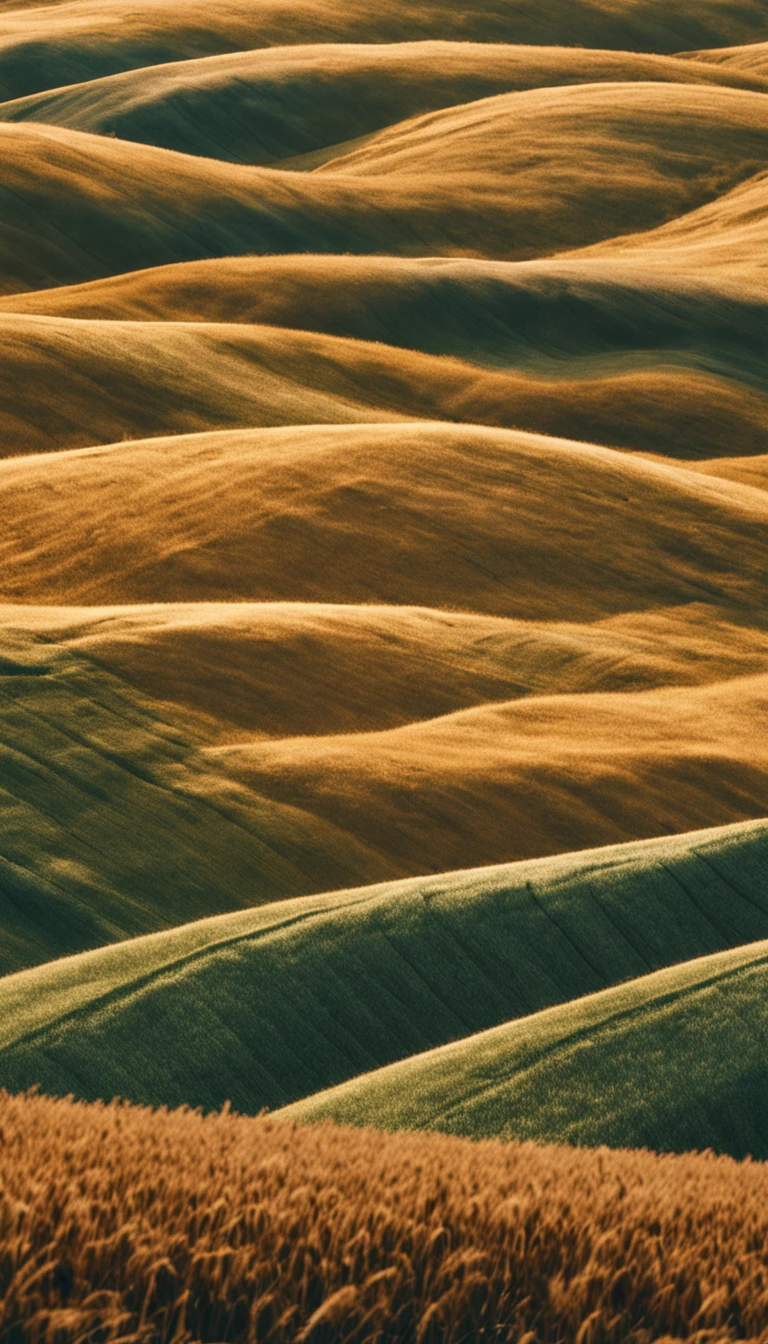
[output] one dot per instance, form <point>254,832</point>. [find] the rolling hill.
<point>535,776</point>
<point>268,1005</point>
<point>45,46</point>
<point>511,177</point>
<point>724,239</point>
<point>114,823</point>
<point>557,319</point>
<point>265,105</point>
<point>383,650</point>
<point>247,670</point>
<point>104,380</point>
<point>672,1061</point>
<point>573,533</point>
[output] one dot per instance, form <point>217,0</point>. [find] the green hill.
<point>270,1005</point>
<point>671,1061</point>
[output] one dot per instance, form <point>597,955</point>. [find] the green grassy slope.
<point>272,1004</point>
<point>671,1061</point>
<point>114,823</point>
<point>519,175</point>
<point>51,45</point>
<point>265,105</point>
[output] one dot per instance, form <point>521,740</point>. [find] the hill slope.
<point>114,823</point>
<point>493,521</point>
<point>288,669</point>
<point>535,776</point>
<point>516,176</point>
<point>269,1005</point>
<point>725,238</point>
<point>672,1061</point>
<point>43,47</point>
<point>265,105</point>
<point>71,383</point>
<point>554,318</point>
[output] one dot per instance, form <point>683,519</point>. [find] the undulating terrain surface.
<point>384,671</point>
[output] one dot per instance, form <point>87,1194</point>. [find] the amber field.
<point>119,1223</point>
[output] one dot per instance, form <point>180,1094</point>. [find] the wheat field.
<point>156,1226</point>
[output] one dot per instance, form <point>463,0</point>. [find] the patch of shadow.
<point>10,668</point>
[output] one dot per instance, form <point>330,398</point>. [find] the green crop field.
<point>672,1061</point>
<point>269,1005</point>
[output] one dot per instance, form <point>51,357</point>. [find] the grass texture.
<point>120,1223</point>
<point>262,1007</point>
<point>672,1061</point>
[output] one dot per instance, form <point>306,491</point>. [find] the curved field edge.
<point>673,1061</point>
<point>265,1006</point>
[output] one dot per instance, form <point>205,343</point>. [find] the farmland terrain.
<point>384,663</point>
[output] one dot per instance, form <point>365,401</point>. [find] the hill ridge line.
<point>623,1015</point>
<point>589,860</point>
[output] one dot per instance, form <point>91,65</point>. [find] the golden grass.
<point>117,1223</point>
<point>750,59</point>
<point>535,776</point>
<point>108,380</point>
<point>265,105</point>
<point>725,238</point>
<point>43,47</point>
<point>378,513</point>
<point>290,669</point>
<point>748,470</point>
<point>511,177</point>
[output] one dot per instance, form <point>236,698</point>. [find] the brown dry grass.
<point>117,1223</point>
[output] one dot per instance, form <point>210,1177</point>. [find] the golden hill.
<point>494,521</point>
<point>519,175</point>
<point>292,669</point>
<point>546,318</point>
<point>384,484</point>
<point>104,380</point>
<point>750,60</point>
<point>725,239</point>
<point>536,776</point>
<point>45,46</point>
<point>269,104</point>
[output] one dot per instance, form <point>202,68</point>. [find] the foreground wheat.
<point>119,1223</point>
